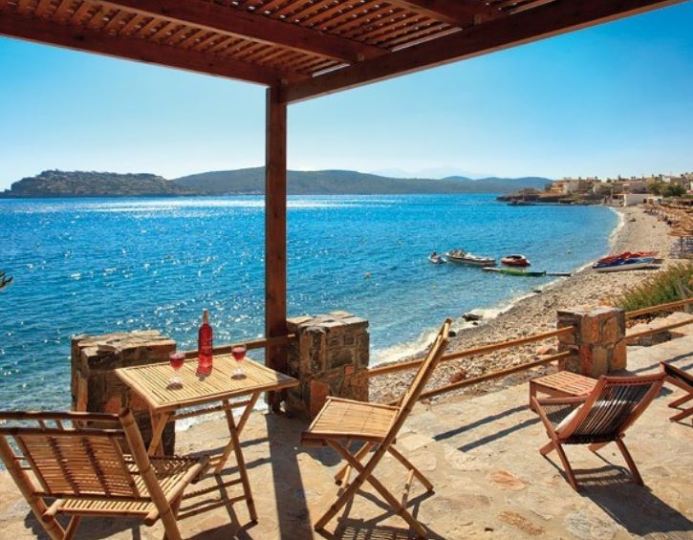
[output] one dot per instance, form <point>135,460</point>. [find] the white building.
<point>631,199</point>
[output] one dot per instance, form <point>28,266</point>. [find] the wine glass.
<point>176,359</point>
<point>238,353</point>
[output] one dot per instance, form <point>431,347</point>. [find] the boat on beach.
<point>516,272</point>
<point>463,257</point>
<point>620,265</point>
<point>627,255</point>
<point>519,261</point>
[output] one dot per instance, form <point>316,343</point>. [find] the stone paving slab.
<point>481,454</point>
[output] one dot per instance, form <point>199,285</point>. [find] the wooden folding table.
<point>197,393</point>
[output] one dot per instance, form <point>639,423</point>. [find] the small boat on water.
<point>620,265</point>
<point>519,261</point>
<point>516,272</point>
<point>434,258</point>
<point>463,257</point>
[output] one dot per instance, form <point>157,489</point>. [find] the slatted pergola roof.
<point>299,49</point>
<point>305,47</point>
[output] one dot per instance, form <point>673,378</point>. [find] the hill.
<point>330,182</point>
<point>56,183</point>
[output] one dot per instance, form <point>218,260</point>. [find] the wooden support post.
<point>275,232</point>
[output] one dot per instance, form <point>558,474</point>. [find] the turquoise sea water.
<point>102,265</point>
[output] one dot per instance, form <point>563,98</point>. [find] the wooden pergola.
<point>300,49</point>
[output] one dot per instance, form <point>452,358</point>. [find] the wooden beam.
<point>455,12</point>
<point>83,39</point>
<point>275,231</point>
<point>543,22</point>
<point>236,21</point>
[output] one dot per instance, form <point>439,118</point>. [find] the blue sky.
<point>616,98</point>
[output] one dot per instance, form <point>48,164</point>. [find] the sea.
<point>99,265</point>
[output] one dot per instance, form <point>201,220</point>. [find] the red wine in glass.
<point>238,353</point>
<point>176,359</point>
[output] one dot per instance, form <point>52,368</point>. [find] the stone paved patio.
<point>481,454</point>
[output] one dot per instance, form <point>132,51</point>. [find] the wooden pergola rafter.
<point>300,49</point>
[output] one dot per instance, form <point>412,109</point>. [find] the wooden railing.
<point>484,349</point>
<point>669,306</point>
<point>261,343</point>
<point>656,329</point>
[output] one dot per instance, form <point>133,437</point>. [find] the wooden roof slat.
<point>424,38</point>
<point>539,23</point>
<point>62,10</point>
<point>81,12</point>
<point>43,7</point>
<point>231,20</point>
<point>117,19</point>
<point>395,28</point>
<point>455,12</point>
<point>166,30</point>
<point>370,18</point>
<point>393,23</point>
<point>427,32</point>
<point>323,16</point>
<point>292,11</point>
<point>120,46</point>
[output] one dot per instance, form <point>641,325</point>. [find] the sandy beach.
<point>536,313</point>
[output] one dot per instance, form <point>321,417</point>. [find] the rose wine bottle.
<point>205,337</point>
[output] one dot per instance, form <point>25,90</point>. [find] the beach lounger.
<point>598,418</point>
<point>342,421</point>
<point>63,466</point>
<point>684,381</point>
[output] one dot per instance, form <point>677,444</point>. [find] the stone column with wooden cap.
<point>598,340</point>
<point>95,387</point>
<point>330,358</point>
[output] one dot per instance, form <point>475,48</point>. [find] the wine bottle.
<point>205,340</point>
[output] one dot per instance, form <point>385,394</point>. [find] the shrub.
<point>670,285</point>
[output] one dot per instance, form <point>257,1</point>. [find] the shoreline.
<point>535,312</point>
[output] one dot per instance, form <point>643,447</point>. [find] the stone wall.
<point>95,387</point>
<point>329,357</point>
<point>598,341</point>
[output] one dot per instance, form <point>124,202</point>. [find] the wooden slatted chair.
<point>63,467</point>
<point>601,417</point>
<point>684,381</point>
<point>343,421</point>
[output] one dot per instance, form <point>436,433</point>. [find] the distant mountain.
<point>56,183</point>
<point>347,182</point>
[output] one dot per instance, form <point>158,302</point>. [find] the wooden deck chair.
<point>342,421</point>
<point>684,381</point>
<point>597,419</point>
<point>62,467</point>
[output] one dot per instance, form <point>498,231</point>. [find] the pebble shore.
<point>537,313</point>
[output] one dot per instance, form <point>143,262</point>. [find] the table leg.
<point>159,421</point>
<point>241,423</point>
<point>235,444</point>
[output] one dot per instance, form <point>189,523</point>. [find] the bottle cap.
<point>205,316</point>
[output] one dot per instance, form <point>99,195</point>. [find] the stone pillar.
<point>598,341</point>
<point>95,387</point>
<point>329,358</point>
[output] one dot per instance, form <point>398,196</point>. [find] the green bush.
<point>673,284</point>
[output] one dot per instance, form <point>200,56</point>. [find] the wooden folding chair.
<point>343,421</point>
<point>684,381</point>
<point>597,419</point>
<point>63,466</point>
